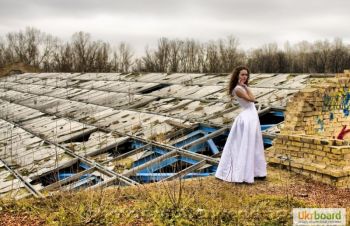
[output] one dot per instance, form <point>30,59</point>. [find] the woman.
<point>243,158</point>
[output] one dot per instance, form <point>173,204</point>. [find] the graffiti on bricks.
<point>337,100</point>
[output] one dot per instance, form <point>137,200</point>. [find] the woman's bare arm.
<point>250,93</point>
<point>247,95</point>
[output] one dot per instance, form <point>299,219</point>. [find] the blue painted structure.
<point>83,181</point>
<point>201,132</point>
<point>62,174</point>
<point>153,177</point>
<point>152,173</point>
<point>149,174</point>
<point>276,117</point>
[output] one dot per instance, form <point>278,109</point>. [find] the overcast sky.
<point>142,22</point>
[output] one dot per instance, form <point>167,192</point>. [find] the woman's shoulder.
<point>238,87</point>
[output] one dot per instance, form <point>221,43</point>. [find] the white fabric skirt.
<point>243,156</point>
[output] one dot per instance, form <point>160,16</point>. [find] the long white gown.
<point>243,156</point>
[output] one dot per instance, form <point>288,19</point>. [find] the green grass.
<point>205,201</point>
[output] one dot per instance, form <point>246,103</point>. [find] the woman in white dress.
<point>243,158</point>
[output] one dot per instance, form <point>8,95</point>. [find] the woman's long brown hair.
<point>234,78</point>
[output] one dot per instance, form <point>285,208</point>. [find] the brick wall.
<point>307,143</point>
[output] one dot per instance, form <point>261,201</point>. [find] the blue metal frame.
<point>148,174</point>
<point>168,162</point>
<point>198,147</point>
<point>158,166</point>
<point>267,141</point>
<point>84,166</point>
<point>82,181</point>
<point>152,177</point>
<point>188,160</point>
<point>266,126</point>
<point>203,131</point>
<point>62,174</point>
<point>212,146</point>
<point>145,159</point>
<point>207,129</point>
<point>190,137</point>
<point>277,113</point>
<point>85,181</point>
<point>137,144</point>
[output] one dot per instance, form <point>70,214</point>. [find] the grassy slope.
<point>205,201</point>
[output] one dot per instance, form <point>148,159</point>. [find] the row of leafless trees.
<point>51,54</point>
<point>83,54</point>
<point>317,57</point>
<point>192,56</point>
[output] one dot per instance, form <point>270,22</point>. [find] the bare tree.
<point>319,56</point>
<point>149,61</point>
<point>174,56</point>
<point>102,62</point>
<point>3,60</point>
<point>82,54</point>
<point>80,46</point>
<point>303,50</point>
<point>125,56</point>
<point>63,58</point>
<point>213,57</point>
<point>162,54</point>
<point>31,47</point>
<point>138,65</point>
<point>229,55</point>
<point>339,57</point>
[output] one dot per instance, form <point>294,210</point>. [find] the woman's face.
<point>243,75</point>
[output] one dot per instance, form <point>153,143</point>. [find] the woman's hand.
<point>241,83</point>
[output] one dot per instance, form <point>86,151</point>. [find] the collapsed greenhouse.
<point>68,131</point>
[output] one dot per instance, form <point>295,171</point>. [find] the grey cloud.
<point>86,8</point>
<point>252,21</point>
